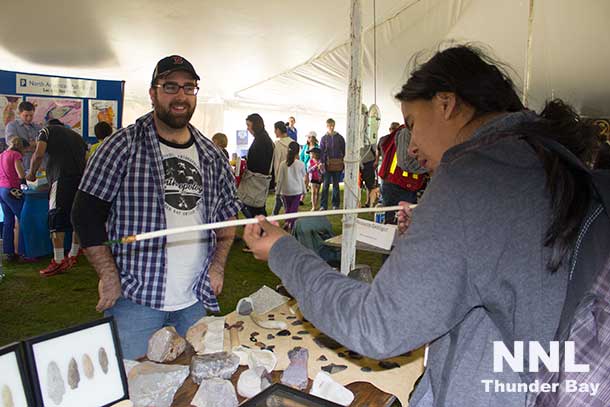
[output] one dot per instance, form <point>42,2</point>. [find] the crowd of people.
<point>484,257</point>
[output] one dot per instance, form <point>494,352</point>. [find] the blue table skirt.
<point>35,226</point>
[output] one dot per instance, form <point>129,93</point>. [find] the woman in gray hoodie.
<point>484,257</point>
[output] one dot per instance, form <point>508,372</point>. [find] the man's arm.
<point>224,240</point>
<point>89,215</point>
<point>41,149</point>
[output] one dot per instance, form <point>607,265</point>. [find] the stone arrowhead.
<point>103,359</point>
<point>55,384</point>
<point>73,375</point>
<point>88,368</point>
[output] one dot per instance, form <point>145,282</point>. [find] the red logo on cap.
<point>177,59</point>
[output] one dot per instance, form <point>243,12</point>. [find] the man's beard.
<point>172,120</point>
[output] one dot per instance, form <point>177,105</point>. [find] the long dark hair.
<point>258,125</point>
<point>293,152</point>
<point>485,85</point>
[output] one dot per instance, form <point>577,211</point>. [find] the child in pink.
<point>315,176</point>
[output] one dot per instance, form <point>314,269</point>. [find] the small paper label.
<point>375,234</point>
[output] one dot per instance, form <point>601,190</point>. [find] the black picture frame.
<point>17,349</point>
<point>30,354</point>
<point>282,391</point>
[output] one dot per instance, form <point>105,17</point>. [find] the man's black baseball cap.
<point>171,64</point>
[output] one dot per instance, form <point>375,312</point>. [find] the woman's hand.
<point>404,217</point>
<point>260,237</point>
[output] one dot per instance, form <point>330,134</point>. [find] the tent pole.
<point>528,54</point>
<point>351,196</point>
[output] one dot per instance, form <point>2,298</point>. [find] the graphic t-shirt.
<point>186,253</point>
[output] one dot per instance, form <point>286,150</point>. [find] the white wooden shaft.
<point>351,194</point>
<point>243,222</point>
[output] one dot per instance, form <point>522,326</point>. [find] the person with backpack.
<point>485,257</point>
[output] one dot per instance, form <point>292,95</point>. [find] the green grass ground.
<point>31,305</point>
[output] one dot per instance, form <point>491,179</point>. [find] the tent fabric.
<point>288,57</point>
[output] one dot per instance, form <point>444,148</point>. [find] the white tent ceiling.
<point>291,57</point>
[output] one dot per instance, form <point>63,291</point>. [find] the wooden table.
<point>365,393</point>
<point>336,242</point>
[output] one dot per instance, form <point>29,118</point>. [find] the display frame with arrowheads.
<point>77,366</point>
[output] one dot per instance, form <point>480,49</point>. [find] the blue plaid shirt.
<point>127,170</point>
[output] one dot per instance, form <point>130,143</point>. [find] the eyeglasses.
<point>171,88</point>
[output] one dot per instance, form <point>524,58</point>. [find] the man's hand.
<point>404,217</point>
<point>109,289</point>
<point>261,237</point>
<point>31,177</point>
<point>217,276</point>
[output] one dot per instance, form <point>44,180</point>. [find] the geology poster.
<point>68,111</point>
<point>102,111</point>
<point>8,108</point>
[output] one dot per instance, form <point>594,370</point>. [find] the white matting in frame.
<point>12,387</point>
<point>56,358</point>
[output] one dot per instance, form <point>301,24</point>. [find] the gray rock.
<point>153,384</point>
<point>73,375</point>
<point>322,358</point>
<point>361,272</point>
<point>244,306</point>
<point>55,384</point>
<point>88,368</point>
<point>214,365</point>
<point>332,368</point>
<point>295,374</point>
<point>103,359</point>
<point>215,393</point>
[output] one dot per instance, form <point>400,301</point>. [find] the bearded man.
<point>158,173</point>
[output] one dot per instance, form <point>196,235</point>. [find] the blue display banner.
<point>78,102</point>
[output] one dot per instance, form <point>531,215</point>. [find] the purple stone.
<point>295,374</point>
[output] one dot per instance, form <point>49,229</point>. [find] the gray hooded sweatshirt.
<point>470,270</point>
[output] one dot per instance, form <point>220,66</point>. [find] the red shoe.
<point>55,268</point>
<point>71,260</point>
